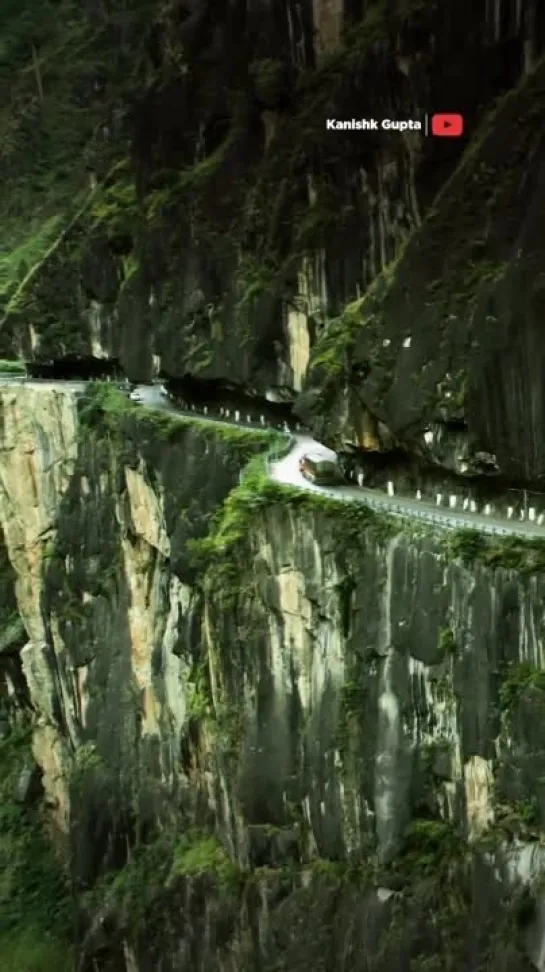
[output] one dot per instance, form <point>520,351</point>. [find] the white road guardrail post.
<point>533,517</point>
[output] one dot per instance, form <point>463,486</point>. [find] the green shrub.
<point>518,678</point>
<point>202,855</point>
<point>36,914</point>
<point>467,545</point>
<point>155,867</point>
<point>447,642</point>
<point>511,552</point>
<point>430,844</point>
<point>28,949</point>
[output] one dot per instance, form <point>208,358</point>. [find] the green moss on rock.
<point>201,855</point>
<point>525,556</point>
<point>447,642</point>
<point>108,410</point>
<point>258,492</point>
<point>519,677</point>
<point>430,844</point>
<point>136,896</point>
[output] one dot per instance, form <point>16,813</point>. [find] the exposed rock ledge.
<point>301,693</point>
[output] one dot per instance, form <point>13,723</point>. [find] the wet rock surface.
<point>321,716</point>
<point>242,728</point>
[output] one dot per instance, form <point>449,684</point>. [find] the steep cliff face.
<point>83,520</point>
<point>240,728</point>
<point>198,215</point>
<point>255,729</point>
<point>445,349</point>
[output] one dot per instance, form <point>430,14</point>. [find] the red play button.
<point>447,126</point>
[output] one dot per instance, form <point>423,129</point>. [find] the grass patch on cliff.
<point>447,644</point>
<point>527,557</point>
<point>200,855</point>
<point>332,367</point>
<point>333,350</point>
<point>519,677</point>
<point>36,916</point>
<point>155,869</point>
<point>105,408</point>
<point>258,495</point>
<point>25,950</point>
<point>115,205</point>
<point>429,845</point>
<point>230,525</point>
<point>347,519</point>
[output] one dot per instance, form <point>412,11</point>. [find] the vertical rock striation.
<point>327,693</point>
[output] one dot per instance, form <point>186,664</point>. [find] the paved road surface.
<point>286,471</point>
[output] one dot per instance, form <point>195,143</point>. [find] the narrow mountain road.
<point>286,470</point>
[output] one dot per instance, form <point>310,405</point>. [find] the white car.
<point>135,396</point>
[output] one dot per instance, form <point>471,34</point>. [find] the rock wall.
<point>208,234</point>
<point>444,348</point>
<point>267,731</point>
<point>275,721</point>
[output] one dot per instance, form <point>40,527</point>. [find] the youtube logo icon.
<point>447,125</point>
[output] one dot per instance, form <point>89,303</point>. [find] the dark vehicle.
<point>320,469</point>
